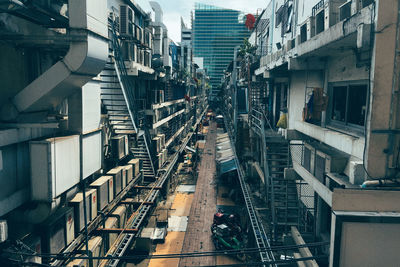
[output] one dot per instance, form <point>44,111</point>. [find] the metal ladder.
<point>141,152</point>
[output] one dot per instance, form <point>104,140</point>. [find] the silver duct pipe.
<point>84,60</point>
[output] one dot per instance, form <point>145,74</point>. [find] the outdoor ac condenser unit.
<point>127,17</point>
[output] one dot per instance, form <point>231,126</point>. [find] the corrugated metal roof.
<point>225,157</point>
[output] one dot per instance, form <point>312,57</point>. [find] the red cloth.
<point>250,21</point>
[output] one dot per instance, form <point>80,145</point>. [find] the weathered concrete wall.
<point>304,10</point>
<point>381,92</point>
<point>343,68</point>
<point>298,83</point>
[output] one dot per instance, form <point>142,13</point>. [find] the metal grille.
<point>304,190</point>
<point>319,168</point>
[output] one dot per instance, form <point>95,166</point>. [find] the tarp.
<point>225,157</point>
<point>227,166</point>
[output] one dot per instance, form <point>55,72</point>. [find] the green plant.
<point>246,48</point>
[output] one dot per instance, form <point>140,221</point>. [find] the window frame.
<point>354,128</point>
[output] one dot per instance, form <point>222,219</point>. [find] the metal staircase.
<point>113,100</point>
<point>284,198</point>
<point>119,102</point>
<point>141,152</point>
<point>282,195</point>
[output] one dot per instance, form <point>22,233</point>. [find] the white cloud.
<point>173,22</point>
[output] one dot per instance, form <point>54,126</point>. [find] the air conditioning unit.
<point>156,143</point>
<point>128,173</point>
<point>116,173</point>
<point>95,245</point>
<point>93,203</point>
<point>77,204</point>
<point>110,223</point>
<point>57,231</point>
<point>104,191</point>
<point>127,17</point>
<point>160,160</point>
<point>165,154</point>
<point>141,56</point>
<point>120,213</point>
<point>134,51</point>
<point>150,42</point>
<point>123,176</point>
<point>162,139</point>
<point>308,158</point>
<point>146,59</point>
<point>129,51</point>
<point>120,146</point>
<point>55,166</point>
<point>334,161</point>
<point>148,39</point>
<point>136,166</point>
<point>141,36</point>
<point>345,11</point>
<point>138,33</point>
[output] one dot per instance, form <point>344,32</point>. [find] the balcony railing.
<point>317,7</point>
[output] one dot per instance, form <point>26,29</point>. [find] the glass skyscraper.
<point>216,32</point>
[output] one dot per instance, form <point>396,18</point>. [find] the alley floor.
<point>191,213</point>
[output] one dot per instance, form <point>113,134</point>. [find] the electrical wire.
<point>270,262</point>
<point>177,255</point>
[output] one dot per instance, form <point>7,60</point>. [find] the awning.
<point>227,166</point>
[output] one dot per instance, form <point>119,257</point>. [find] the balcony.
<point>323,32</point>
<point>347,143</point>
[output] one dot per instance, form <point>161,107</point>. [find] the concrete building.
<point>325,72</point>
<point>89,108</point>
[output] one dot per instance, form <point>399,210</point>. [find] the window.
<point>320,22</point>
<point>348,104</point>
<point>303,33</point>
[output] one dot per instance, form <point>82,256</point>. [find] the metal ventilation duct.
<point>85,59</point>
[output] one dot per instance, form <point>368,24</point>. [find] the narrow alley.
<point>190,214</point>
<point>174,133</point>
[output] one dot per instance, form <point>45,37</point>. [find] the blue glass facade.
<point>216,32</point>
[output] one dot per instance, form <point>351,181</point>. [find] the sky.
<point>174,9</point>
